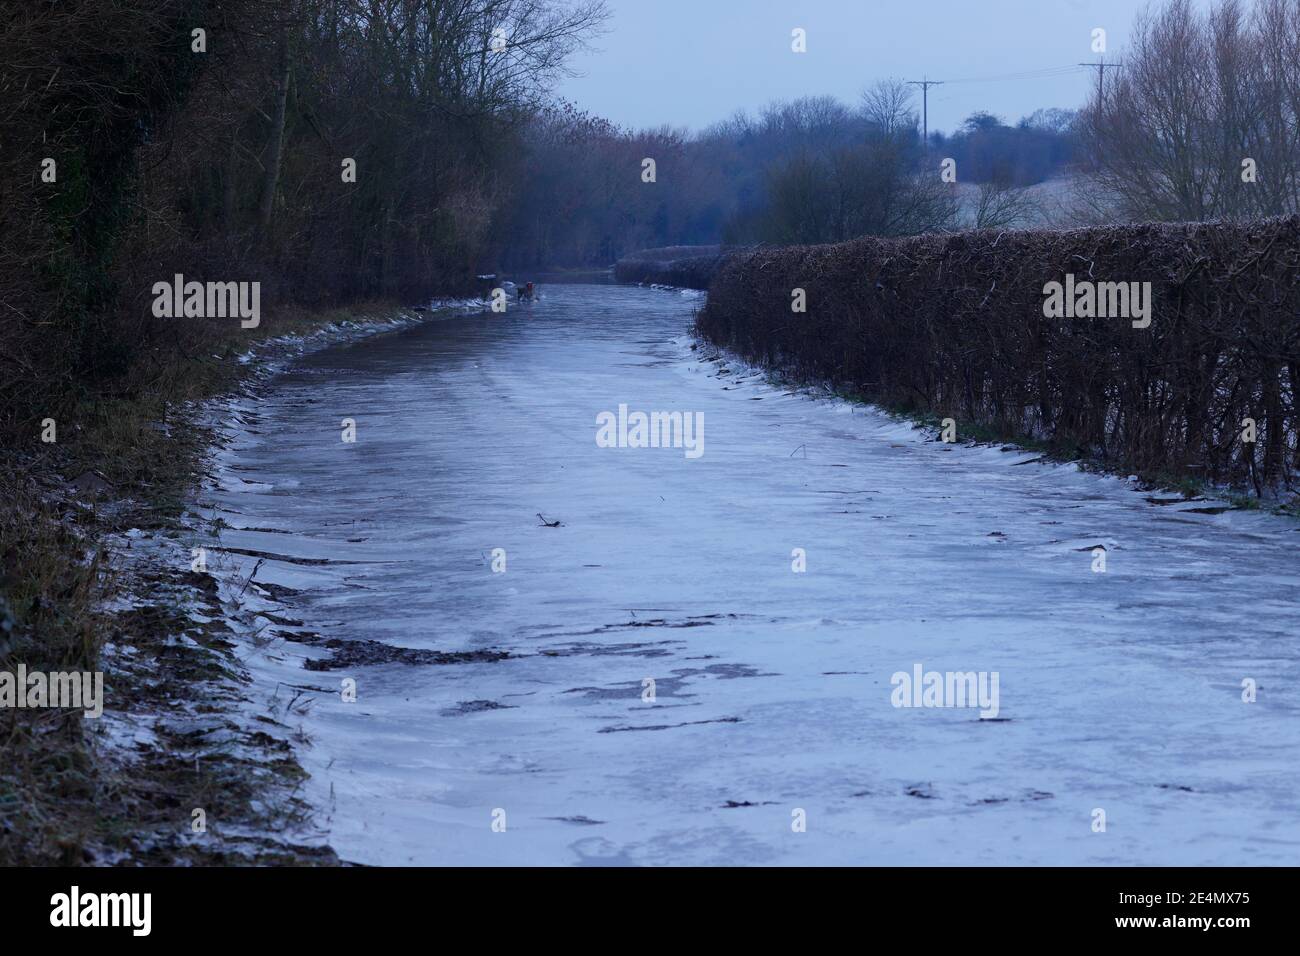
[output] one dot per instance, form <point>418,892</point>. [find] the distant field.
<point>1059,203</point>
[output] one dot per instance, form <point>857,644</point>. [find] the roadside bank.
<point>97,577</point>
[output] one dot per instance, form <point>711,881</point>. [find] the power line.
<point>1045,73</point>
<point>1100,67</point>
<point>925,85</point>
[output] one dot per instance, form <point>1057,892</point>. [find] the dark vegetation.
<point>223,164</point>
<point>954,326</point>
<point>228,165</point>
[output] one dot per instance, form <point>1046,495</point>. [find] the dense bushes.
<point>954,325</point>
<point>212,139</point>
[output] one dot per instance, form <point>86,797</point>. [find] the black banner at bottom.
<point>333,905</point>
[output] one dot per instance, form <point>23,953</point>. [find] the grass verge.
<point>128,457</point>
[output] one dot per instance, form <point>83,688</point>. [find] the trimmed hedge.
<point>689,267</point>
<point>954,325</point>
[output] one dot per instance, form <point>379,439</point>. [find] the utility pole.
<point>925,85</point>
<point>1100,67</point>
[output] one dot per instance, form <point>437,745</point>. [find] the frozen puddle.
<point>522,692</point>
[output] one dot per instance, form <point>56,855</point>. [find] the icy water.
<point>1118,691</point>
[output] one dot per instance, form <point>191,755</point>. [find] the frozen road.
<point>1119,692</point>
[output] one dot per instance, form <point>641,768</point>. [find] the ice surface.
<point>1118,690</point>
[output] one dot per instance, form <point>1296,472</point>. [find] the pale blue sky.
<point>691,62</point>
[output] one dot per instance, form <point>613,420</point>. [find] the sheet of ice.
<point>1119,691</point>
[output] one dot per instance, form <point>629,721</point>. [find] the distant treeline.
<point>1198,121</point>
<point>986,150</point>
<point>809,170</point>
<point>1205,382</point>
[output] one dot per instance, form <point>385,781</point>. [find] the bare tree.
<point>998,206</point>
<point>1201,121</point>
<point>887,108</point>
<point>275,145</point>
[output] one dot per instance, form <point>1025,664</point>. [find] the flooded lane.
<point>1119,691</point>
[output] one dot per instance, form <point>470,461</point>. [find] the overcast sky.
<point>692,62</point>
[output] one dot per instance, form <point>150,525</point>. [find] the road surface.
<point>771,735</point>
